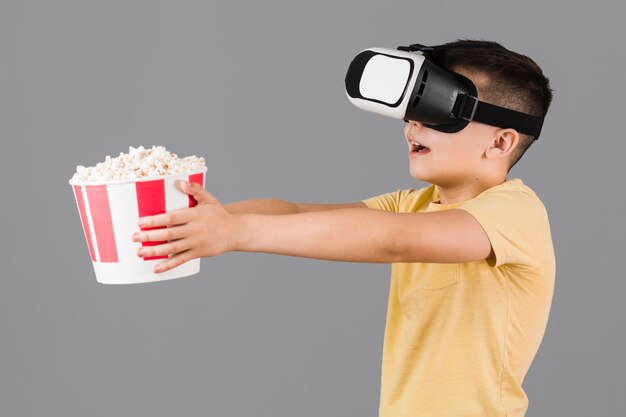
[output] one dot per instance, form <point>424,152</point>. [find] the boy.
<point>473,265</point>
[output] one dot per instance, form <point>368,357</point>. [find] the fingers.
<point>160,235</point>
<point>171,218</point>
<point>174,261</point>
<point>174,247</point>
<point>197,191</point>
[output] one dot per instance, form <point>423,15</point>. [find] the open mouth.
<point>417,148</point>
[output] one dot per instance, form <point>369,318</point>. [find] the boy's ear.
<point>503,142</point>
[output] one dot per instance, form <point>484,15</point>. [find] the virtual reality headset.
<point>403,84</point>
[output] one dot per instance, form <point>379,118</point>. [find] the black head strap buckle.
<point>467,107</point>
<point>416,47</point>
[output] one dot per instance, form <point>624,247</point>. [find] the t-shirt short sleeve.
<point>516,224</point>
<point>385,202</point>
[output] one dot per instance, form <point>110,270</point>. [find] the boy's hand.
<point>201,231</point>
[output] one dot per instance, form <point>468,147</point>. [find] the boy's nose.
<point>415,125</point>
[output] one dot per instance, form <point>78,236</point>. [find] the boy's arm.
<point>365,235</point>
<point>277,206</point>
<point>349,234</point>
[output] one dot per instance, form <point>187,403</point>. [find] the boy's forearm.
<point>262,206</point>
<point>349,235</point>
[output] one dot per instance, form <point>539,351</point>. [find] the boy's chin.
<point>419,176</point>
<point>422,179</point>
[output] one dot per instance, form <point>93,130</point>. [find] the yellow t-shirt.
<point>460,337</point>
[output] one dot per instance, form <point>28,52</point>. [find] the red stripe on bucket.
<point>197,178</point>
<point>151,201</point>
<point>102,224</point>
<point>83,218</point>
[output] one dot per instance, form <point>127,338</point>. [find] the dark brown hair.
<point>514,81</point>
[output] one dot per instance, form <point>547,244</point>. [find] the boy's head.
<point>503,78</point>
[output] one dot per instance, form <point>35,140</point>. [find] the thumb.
<point>198,192</point>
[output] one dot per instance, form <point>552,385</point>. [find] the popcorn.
<point>139,163</point>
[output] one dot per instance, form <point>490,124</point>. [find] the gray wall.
<point>257,89</point>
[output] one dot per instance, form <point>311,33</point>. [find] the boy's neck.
<point>463,192</point>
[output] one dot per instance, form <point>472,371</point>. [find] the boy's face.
<point>454,158</point>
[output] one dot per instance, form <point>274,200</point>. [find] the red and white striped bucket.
<point>109,211</point>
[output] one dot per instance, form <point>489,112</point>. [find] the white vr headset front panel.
<point>385,79</point>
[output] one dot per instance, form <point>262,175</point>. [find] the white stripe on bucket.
<point>124,214</point>
<point>174,198</point>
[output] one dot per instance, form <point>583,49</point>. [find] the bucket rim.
<point>134,180</point>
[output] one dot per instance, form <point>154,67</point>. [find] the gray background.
<point>257,89</point>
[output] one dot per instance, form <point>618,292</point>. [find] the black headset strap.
<point>469,108</point>
<point>503,117</point>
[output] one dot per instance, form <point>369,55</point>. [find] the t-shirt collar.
<point>434,204</point>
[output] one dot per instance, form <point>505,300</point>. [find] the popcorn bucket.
<point>109,211</point>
